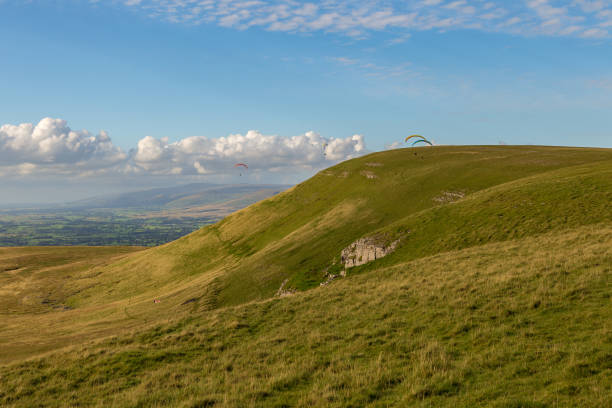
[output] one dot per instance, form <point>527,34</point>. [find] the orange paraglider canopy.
<point>412,136</point>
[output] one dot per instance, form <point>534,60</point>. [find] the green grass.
<point>500,298</point>
<point>521,323</point>
<point>298,234</point>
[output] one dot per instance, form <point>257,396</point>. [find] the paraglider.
<point>323,147</point>
<point>239,165</point>
<point>411,136</point>
<point>420,139</point>
<point>423,141</point>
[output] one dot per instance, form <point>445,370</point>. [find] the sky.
<point>105,96</point>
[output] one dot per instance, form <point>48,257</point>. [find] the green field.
<point>94,228</point>
<point>499,294</point>
<point>144,218</point>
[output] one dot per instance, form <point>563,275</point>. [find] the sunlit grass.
<point>522,323</point>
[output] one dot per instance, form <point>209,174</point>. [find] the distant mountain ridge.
<point>147,217</point>
<point>172,197</point>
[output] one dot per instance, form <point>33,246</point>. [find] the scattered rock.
<point>344,174</point>
<point>449,197</point>
<point>368,174</point>
<point>282,292</point>
<point>374,164</point>
<point>365,250</point>
<point>330,277</point>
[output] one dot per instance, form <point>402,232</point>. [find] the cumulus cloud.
<point>201,155</point>
<point>51,147</point>
<point>52,142</point>
<point>357,18</point>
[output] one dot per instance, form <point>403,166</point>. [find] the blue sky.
<point>152,74</point>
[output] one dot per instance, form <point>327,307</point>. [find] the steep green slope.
<point>297,235</point>
<point>522,323</point>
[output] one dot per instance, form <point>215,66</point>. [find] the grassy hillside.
<point>509,192</point>
<point>524,323</point>
<point>503,271</point>
<point>35,285</point>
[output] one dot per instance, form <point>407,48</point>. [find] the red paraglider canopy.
<point>241,164</point>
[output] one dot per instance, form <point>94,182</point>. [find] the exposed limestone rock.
<point>282,292</point>
<point>368,174</point>
<point>365,250</point>
<point>373,164</point>
<point>449,197</point>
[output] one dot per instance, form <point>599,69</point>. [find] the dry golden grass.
<point>521,323</point>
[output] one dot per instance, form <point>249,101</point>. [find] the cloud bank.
<point>52,148</point>
<point>357,18</point>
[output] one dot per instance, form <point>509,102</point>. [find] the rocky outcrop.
<point>365,250</point>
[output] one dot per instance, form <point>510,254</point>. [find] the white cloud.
<point>595,33</point>
<point>52,148</point>
<point>201,155</point>
<point>52,142</point>
<point>357,18</point>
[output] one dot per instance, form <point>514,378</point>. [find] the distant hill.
<point>182,196</point>
<point>148,217</point>
<point>494,290</point>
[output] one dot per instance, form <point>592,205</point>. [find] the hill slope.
<point>524,323</point>
<point>503,271</point>
<point>510,192</point>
